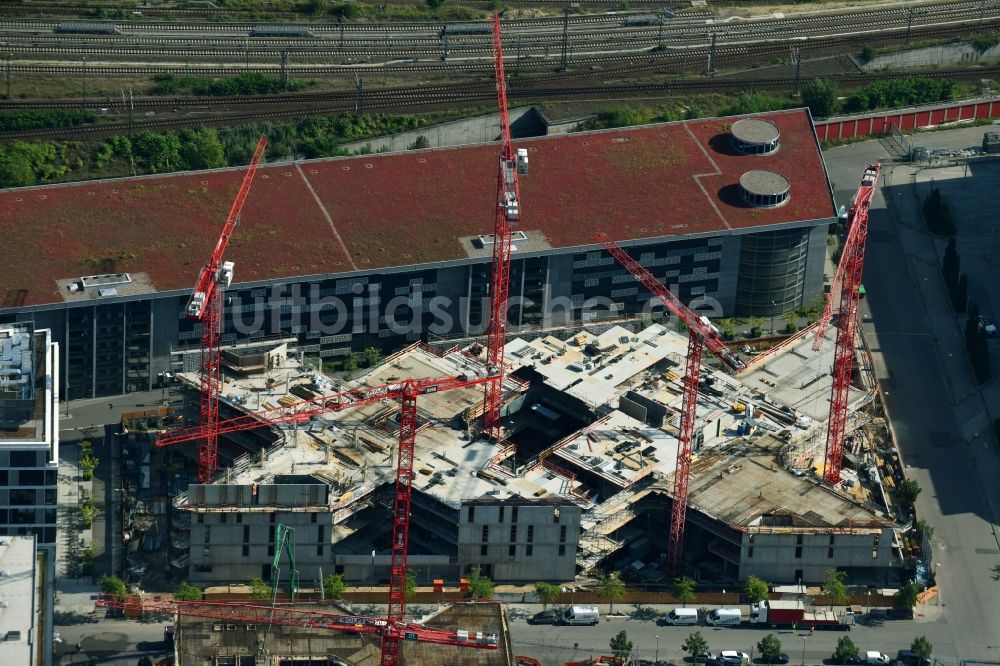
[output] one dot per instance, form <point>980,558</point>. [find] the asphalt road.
<point>929,395</point>
<point>554,645</point>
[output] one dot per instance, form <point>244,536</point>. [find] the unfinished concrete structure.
<point>581,481</point>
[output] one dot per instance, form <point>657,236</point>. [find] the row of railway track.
<point>666,61</point>
<point>240,110</point>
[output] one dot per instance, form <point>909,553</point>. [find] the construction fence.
<point>885,122</point>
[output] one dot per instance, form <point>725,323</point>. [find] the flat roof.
<point>17,590</point>
<point>375,211</point>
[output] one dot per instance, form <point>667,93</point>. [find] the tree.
<point>410,584</point>
<point>820,95</point>
<point>88,462</point>
<point>791,322</point>
<point>112,585</point>
<point>845,648</point>
<point>547,593</point>
<point>682,589</point>
<point>922,646</point>
<point>972,325</point>
<point>259,589</point>
<point>950,262</point>
<point>434,4</point>
<point>755,589</point>
<point>480,587</point>
<point>421,142</point>
<point>201,148</point>
<point>695,645</point>
<point>769,648</point>
<point>909,490</point>
<point>333,586</point>
<point>834,586</point>
<point>611,588</point>
<point>373,356</point>
<point>960,295</point>
<point>187,592</point>
<point>906,596</point>
<point>923,530</point>
<point>621,646</point>
<point>351,362</point>
<point>867,53</point>
<point>345,10</point>
<point>16,169</point>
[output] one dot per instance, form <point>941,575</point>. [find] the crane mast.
<point>205,305</point>
<point>701,333</point>
<point>853,261</point>
<point>507,216</point>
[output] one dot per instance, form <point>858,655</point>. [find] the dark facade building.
<point>377,250</point>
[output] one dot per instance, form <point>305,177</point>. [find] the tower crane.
<point>205,306</point>
<point>852,263</point>
<point>406,391</point>
<point>700,333</point>
<point>507,216</point>
<point>239,613</point>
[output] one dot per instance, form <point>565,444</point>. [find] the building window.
<point>246,533</point>
<point>483,549</point>
<point>486,533</point>
<point>312,517</point>
<point>829,553</point>
<point>472,514</point>
<point>529,550</point>
<point>798,540</point>
<point>239,517</point>
<point>750,551</point>
<point>562,549</point>
<point>562,534</point>
<point>201,518</point>
<point>513,514</point>
<point>513,533</point>
<point>203,568</point>
<point>511,550</point>
<point>831,539</point>
<point>798,551</point>
<point>555,515</point>
<point>246,550</point>
<point>501,514</point>
<point>208,534</point>
<point>531,533</point>
<point>225,517</point>
<point>273,518</point>
<point>320,535</point>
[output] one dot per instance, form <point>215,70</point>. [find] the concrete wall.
<point>966,54</point>
<point>535,539</point>
<point>788,556</point>
<point>481,129</point>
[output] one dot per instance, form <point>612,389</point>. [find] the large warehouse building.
<point>341,255</point>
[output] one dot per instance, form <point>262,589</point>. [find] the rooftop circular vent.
<point>752,136</point>
<point>764,189</point>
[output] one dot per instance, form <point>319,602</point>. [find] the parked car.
<point>544,617</point>
<point>705,656</point>
<point>852,660</point>
<point>780,659</point>
<point>734,658</point>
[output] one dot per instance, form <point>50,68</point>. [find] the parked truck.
<point>789,613</point>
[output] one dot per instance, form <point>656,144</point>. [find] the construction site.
<point>554,456</point>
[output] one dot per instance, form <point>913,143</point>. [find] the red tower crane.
<point>507,216</point>
<point>406,392</point>
<point>700,332</point>
<point>205,306</point>
<point>852,265</point>
<point>238,613</point>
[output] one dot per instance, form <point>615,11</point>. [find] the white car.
<point>734,658</point>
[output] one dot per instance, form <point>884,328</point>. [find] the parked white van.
<point>681,616</point>
<point>581,615</point>
<point>725,617</point>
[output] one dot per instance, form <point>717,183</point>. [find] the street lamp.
<point>804,650</point>
<point>656,659</point>
<point>773,306</point>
